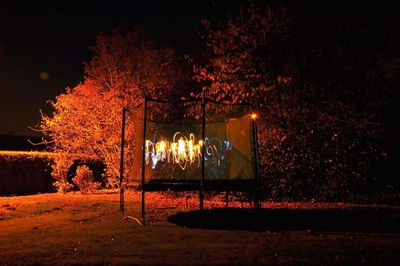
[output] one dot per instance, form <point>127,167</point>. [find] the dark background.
<point>53,37</point>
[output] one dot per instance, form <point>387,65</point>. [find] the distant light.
<point>44,76</point>
<point>254,116</point>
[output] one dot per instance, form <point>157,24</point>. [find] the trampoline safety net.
<point>171,138</point>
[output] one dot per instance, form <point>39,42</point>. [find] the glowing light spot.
<point>254,116</point>
<point>44,76</point>
<point>185,151</point>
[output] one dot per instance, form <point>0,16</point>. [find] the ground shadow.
<point>368,220</point>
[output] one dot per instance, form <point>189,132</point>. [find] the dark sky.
<point>53,37</point>
<point>44,44</point>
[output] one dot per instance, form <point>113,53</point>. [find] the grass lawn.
<point>75,229</point>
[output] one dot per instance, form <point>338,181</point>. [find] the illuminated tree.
<point>313,141</point>
<point>124,69</point>
<point>241,55</point>
<point>243,66</point>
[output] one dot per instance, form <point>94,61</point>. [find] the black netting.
<point>228,142</point>
<point>174,144</point>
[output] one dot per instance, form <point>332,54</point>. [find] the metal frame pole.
<point>203,149</point>
<point>143,160</point>
<point>121,165</point>
<point>257,202</point>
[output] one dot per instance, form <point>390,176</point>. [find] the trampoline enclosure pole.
<point>203,136</point>
<point>143,159</point>
<point>257,191</point>
<point>121,165</point>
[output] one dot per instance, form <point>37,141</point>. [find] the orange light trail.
<point>181,150</point>
<point>185,151</point>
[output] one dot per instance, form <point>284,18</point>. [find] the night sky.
<point>43,44</point>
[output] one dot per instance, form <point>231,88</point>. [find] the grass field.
<point>75,229</point>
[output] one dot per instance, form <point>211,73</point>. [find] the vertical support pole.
<point>257,191</point>
<point>203,149</point>
<point>143,160</point>
<point>121,165</point>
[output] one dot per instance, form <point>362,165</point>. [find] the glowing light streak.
<point>185,151</point>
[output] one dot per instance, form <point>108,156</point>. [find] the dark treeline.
<point>328,124</point>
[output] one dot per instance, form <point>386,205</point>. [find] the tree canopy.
<point>321,105</point>
<point>124,68</point>
<point>320,131</point>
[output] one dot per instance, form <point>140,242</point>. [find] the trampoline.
<point>191,145</point>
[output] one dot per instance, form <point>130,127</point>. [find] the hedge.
<point>24,173</point>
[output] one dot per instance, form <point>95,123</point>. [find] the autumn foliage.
<point>84,180</point>
<point>314,142</point>
<point>87,118</point>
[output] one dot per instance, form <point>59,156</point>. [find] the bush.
<point>63,186</point>
<point>60,166</point>
<point>30,172</point>
<point>112,182</point>
<point>23,173</point>
<point>84,180</point>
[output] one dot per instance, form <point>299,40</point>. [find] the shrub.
<point>24,173</point>
<point>84,180</point>
<point>112,182</point>
<point>63,186</point>
<point>59,172</point>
